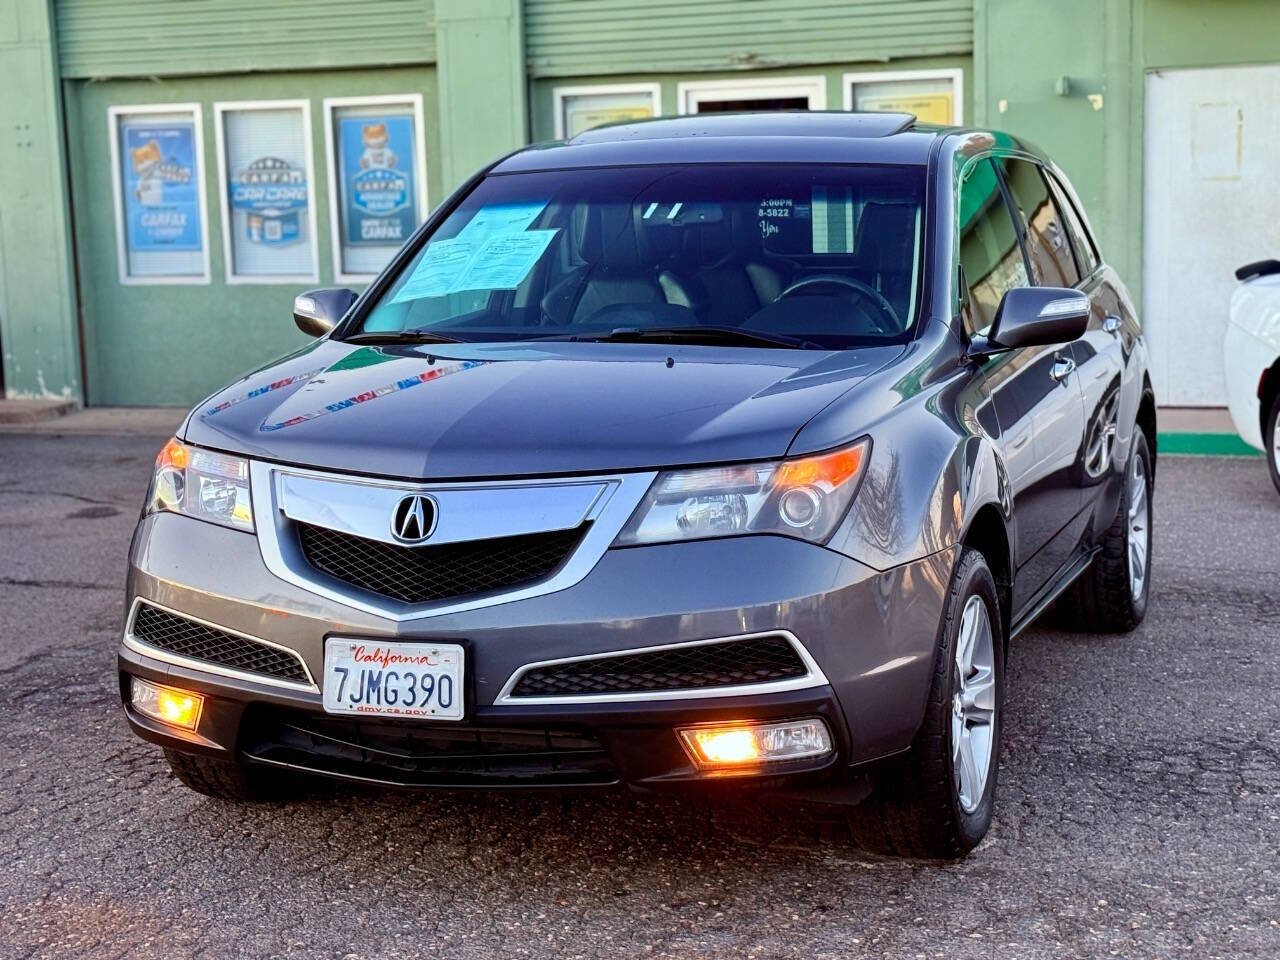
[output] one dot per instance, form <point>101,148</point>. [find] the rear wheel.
<point>230,780</point>
<point>1111,596</point>
<point>936,801</point>
<point>1272,441</point>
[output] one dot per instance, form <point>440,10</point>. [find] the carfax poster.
<point>161,187</point>
<point>379,193</point>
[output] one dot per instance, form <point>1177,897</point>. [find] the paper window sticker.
<point>504,261</point>
<point>439,270</point>
<point>501,219</point>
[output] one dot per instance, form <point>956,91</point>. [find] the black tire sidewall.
<point>1270,439</point>
<point>975,579</point>
<point>1142,450</point>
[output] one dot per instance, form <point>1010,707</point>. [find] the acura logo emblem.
<point>414,518</point>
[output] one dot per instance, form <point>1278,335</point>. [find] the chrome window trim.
<point>814,677</point>
<point>609,510</point>
<point>138,645</point>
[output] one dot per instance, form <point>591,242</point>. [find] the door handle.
<point>1062,367</point>
<point>1110,323</point>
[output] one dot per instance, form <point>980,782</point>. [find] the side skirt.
<point>1052,591</point>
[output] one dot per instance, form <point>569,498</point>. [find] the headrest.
<point>886,236</point>
<point>608,237</point>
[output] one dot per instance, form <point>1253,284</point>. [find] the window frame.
<point>114,115</point>
<point>1019,221</point>
<point>955,74</point>
<point>689,93</point>
<point>421,206</point>
<point>220,109</point>
<point>560,94</point>
<point>957,268</point>
<point>1063,196</point>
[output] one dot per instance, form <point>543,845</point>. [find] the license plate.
<point>378,679</point>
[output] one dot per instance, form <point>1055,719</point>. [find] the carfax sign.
<point>272,192</point>
<point>161,187</point>
<point>379,193</point>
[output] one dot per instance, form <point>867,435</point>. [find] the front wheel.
<point>937,800</point>
<point>1272,441</point>
<point>231,780</point>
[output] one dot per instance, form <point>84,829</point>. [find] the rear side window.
<point>1048,248</point>
<point>989,250</point>
<point>1086,253</point>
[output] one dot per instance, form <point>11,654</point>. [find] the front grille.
<point>732,663</point>
<point>416,754</point>
<point>425,574</point>
<point>177,634</point>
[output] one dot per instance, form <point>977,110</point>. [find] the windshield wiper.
<point>707,334</point>
<point>401,336</point>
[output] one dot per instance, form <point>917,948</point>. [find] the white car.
<point>1252,357</point>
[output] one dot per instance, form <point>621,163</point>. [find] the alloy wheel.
<point>973,705</point>
<point>1101,440</point>
<point>1139,527</point>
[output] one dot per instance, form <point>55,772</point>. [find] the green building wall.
<point>38,330</point>
<point>173,344</point>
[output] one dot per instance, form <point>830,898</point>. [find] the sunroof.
<point>799,123</point>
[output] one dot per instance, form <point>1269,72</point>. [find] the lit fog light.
<point>748,744</point>
<point>178,708</point>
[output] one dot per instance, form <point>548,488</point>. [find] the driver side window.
<point>989,251</point>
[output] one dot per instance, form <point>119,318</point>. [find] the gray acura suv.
<point>715,452</point>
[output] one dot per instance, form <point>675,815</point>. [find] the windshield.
<point>816,256</point>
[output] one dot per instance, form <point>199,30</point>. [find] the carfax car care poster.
<point>161,191</point>
<point>379,193</point>
<point>268,192</point>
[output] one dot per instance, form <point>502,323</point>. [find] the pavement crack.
<point>57,584</point>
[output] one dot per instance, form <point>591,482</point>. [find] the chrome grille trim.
<point>138,645</point>
<point>814,677</point>
<point>610,506</point>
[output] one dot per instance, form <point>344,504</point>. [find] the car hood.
<point>483,410</point>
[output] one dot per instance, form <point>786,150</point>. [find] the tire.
<point>1271,441</point>
<point>919,808</point>
<point>1108,598</point>
<point>227,780</point>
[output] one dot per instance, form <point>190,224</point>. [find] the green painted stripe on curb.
<point>1205,445</point>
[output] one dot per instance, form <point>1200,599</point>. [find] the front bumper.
<point>871,633</point>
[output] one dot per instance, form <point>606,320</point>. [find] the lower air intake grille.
<point>423,754</point>
<point>177,634</point>
<point>729,664</point>
<point>426,574</point>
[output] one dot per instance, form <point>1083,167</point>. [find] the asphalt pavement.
<point>1138,816</point>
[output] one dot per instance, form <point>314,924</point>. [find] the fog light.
<point>178,708</point>
<point>738,745</point>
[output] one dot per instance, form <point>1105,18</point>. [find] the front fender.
<point>935,460</point>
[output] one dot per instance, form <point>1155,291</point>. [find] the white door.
<point>1211,203</point>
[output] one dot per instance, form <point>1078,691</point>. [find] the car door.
<point>1035,390</point>
<point>1101,354</point>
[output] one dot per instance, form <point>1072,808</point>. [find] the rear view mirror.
<point>1039,316</point>
<point>316,312</point>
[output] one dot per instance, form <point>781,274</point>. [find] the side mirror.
<point>1038,316</point>
<point>316,312</point>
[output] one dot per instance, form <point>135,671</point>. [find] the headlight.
<point>805,498</point>
<point>202,484</point>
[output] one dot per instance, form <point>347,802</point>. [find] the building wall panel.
<point>144,38</point>
<point>582,37</point>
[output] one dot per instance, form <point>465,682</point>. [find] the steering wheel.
<point>860,290</point>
